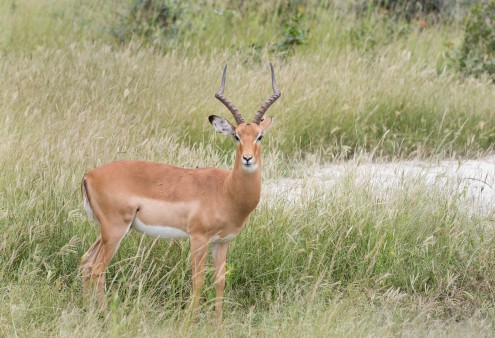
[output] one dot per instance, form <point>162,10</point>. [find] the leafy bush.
<point>367,34</point>
<point>160,23</point>
<point>295,33</point>
<point>267,9</point>
<point>410,8</point>
<point>476,56</point>
<point>154,20</point>
<point>429,11</point>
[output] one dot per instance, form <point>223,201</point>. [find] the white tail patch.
<point>158,231</point>
<point>87,206</point>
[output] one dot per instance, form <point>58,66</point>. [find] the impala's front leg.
<point>220,262</point>
<point>199,248</point>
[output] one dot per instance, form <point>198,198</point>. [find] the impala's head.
<point>247,135</point>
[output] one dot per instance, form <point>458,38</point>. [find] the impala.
<point>207,205</point>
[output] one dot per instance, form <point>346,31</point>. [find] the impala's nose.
<point>247,159</point>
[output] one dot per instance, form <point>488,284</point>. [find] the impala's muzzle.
<point>248,160</point>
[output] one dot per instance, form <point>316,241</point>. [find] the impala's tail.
<point>86,200</point>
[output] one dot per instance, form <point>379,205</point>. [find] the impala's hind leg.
<point>96,260</point>
<point>86,267</point>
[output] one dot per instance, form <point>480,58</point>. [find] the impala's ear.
<point>266,123</point>
<point>222,125</point>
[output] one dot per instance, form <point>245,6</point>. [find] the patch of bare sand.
<point>472,180</point>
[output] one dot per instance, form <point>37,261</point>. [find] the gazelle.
<point>208,205</point>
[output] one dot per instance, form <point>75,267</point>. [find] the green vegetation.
<point>84,83</point>
<point>476,56</point>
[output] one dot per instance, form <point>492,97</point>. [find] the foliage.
<point>154,21</point>
<point>294,34</point>
<point>368,34</point>
<point>432,10</point>
<point>476,56</point>
<point>163,22</point>
<point>282,8</point>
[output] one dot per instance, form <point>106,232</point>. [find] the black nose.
<point>247,159</point>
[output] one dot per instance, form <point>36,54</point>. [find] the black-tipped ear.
<point>222,125</point>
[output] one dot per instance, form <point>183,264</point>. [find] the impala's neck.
<point>244,186</point>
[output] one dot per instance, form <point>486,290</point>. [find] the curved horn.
<point>219,95</point>
<point>276,94</point>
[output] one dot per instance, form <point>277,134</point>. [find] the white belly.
<point>218,239</point>
<point>158,231</point>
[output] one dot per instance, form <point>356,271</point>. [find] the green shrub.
<point>371,33</point>
<point>156,21</point>
<point>434,10</point>
<point>476,56</point>
<point>295,33</point>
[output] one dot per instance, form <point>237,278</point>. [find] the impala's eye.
<point>237,138</point>
<point>259,138</point>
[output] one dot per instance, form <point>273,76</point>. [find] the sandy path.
<point>473,179</point>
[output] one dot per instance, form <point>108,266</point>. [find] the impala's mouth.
<point>249,167</point>
<point>248,163</point>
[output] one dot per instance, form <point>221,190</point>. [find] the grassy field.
<point>339,262</point>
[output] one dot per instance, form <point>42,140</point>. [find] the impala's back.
<point>154,198</point>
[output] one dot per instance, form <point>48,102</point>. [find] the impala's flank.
<point>208,205</point>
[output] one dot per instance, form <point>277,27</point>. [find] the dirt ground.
<point>472,180</point>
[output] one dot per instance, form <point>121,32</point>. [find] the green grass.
<point>415,251</point>
<point>338,262</point>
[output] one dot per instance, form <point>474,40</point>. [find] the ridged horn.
<point>276,94</point>
<point>219,95</point>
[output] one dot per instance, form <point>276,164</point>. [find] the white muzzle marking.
<point>251,168</point>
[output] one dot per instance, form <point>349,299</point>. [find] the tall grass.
<point>336,262</point>
<point>396,100</point>
<point>342,104</point>
<point>294,260</point>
